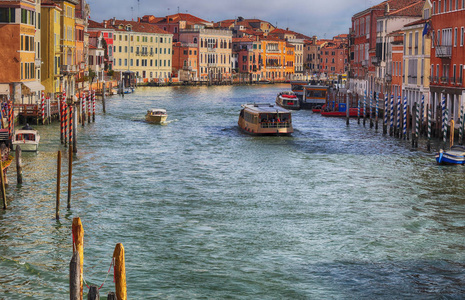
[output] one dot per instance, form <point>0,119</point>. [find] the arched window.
<point>195,40</point>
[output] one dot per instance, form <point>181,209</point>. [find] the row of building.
<point>52,46</point>
<point>413,49</point>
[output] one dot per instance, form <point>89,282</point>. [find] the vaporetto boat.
<point>265,119</point>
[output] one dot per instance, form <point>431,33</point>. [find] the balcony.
<point>444,80</point>
<point>37,63</point>
<point>375,60</point>
<point>68,69</point>
<point>364,63</point>
<point>444,51</point>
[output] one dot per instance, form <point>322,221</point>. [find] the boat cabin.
<point>265,119</point>
<point>314,95</point>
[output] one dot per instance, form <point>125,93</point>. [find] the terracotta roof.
<point>182,17</point>
<point>252,32</point>
<point>421,21</point>
<point>279,30</point>
<point>94,24</point>
<point>136,26</point>
<point>243,39</point>
<point>50,3</point>
<point>413,10</point>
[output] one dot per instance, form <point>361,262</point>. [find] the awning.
<point>4,89</point>
<point>34,86</point>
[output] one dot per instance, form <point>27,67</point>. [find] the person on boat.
<point>27,127</point>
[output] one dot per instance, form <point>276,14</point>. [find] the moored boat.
<point>454,156</point>
<point>353,113</point>
<point>156,116</point>
<point>265,119</point>
<point>288,100</point>
<point>27,138</point>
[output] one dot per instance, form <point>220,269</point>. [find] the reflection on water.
<point>205,211</point>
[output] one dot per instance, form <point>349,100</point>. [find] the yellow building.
<point>417,51</point>
<point>50,46</point>
<point>68,45</point>
<point>142,48</point>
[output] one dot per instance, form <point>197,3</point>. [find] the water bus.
<point>265,119</point>
<point>288,100</point>
<point>314,95</point>
<point>297,87</point>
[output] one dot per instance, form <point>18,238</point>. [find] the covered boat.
<point>265,119</point>
<point>288,100</point>
<point>27,138</point>
<point>156,116</point>
<point>454,156</point>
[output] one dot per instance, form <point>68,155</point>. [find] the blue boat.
<point>454,156</point>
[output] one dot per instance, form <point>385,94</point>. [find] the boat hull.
<point>156,119</point>
<point>26,146</point>
<point>454,156</point>
<point>342,114</point>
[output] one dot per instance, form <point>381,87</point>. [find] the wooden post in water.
<point>452,132</point>
<point>2,183</point>
<point>78,246</point>
<point>74,277</point>
<point>111,296</point>
<point>408,123</point>
<point>120,272</point>
<point>371,110</point>
<point>57,210</point>
<point>19,166</point>
<point>70,173</point>
<point>93,293</point>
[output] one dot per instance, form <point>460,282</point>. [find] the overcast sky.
<point>324,18</point>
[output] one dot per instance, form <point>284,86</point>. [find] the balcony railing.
<point>68,68</point>
<point>444,51</point>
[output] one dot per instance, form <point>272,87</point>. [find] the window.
<point>7,15</point>
<point>455,37</point>
<point>461,36</point>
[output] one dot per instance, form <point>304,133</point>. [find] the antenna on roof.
<point>178,9</point>
<point>138,7</point>
<point>132,13</point>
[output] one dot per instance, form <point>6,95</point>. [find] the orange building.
<point>397,38</point>
<point>18,24</point>
<point>289,63</point>
<point>185,61</point>
<point>274,58</point>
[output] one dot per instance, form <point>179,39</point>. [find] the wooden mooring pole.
<point>2,182</point>
<point>75,277</point>
<point>57,210</point>
<point>78,246</point>
<point>120,272</point>
<point>93,293</point>
<point>19,166</point>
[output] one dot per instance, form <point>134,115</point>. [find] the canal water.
<point>207,212</point>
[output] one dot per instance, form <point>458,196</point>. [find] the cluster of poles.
<point>397,114</point>
<point>76,270</point>
<point>68,117</point>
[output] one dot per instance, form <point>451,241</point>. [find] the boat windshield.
<point>275,120</point>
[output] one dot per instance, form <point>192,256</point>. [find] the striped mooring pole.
<point>93,106</point>
<point>89,100</point>
<point>428,145</point>
<point>71,124</point>
<point>461,126</point>
<point>443,107</point>
<point>391,124</point>
<point>371,110</point>
<point>398,117</point>
<point>364,108</point>
<point>62,118</point>
<point>446,119</point>
<point>83,112</point>
<point>377,111</point>
<point>42,108</point>
<point>385,116</point>
<point>404,131</point>
<point>422,114</point>
<point>358,109</point>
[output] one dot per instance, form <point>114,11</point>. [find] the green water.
<point>207,212</point>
